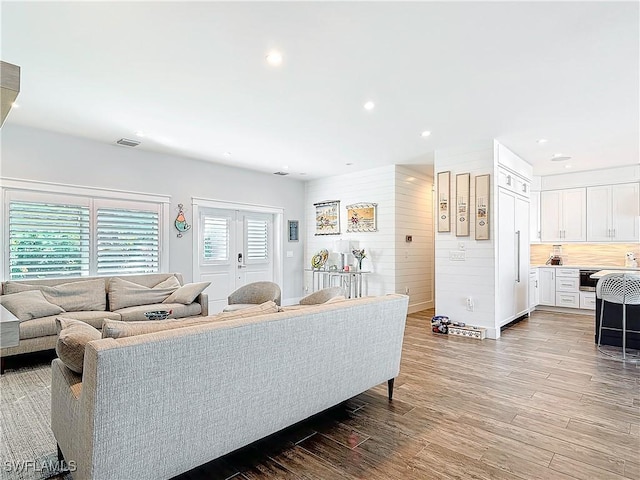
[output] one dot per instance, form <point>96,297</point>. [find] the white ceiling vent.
<point>281,173</point>
<point>127,142</point>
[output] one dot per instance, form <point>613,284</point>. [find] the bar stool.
<point>623,289</point>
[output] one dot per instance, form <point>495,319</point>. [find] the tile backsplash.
<point>596,254</point>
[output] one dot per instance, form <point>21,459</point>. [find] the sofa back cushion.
<point>73,336</point>
<point>77,296</point>
<point>29,305</point>
<point>123,293</point>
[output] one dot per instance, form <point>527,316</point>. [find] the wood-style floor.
<point>540,403</point>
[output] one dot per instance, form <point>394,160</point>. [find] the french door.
<point>235,247</point>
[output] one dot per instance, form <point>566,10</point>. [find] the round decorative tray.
<point>157,315</point>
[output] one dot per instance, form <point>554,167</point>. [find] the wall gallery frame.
<point>463,185</point>
<point>328,217</point>
<point>361,217</point>
<point>482,206</point>
<point>444,186</point>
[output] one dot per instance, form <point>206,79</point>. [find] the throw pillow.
<point>82,296</point>
<point>338,298</point>
<point>28,305</point>
<point>123,293</point>
<point>72,338</point>
<point>262,309</point>
<point>187,293</point>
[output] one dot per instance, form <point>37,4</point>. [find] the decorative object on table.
<point>440,324</point>
<point>360,255</point>
<point>482,207</point>
<point>444,186</point>
<point>320,258</point>
<point>361,217</point>
<point>158,314</point>
<point>294,233</point>
<point>328,217</point>
<point>181,222</point>
<point>630,260</point>
<point>463,181</point>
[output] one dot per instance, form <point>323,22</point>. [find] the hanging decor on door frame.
<point>482,206</point>
<point>361,217</point>
<point>328,217</point>
<point>463,184</point>
<point>444,185</point>
<point>181,222</point>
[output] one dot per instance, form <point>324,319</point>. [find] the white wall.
<point>414,216</point>
<point>591,178</point>
<point>474,277</point>
<point>33,154</point>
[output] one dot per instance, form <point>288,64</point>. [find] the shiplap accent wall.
<point>414,216</point>
<point>474,277</point>
<point>404,208</point>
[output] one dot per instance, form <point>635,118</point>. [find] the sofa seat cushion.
<point>72,297</point>
<point>178,310</point>
<point>45,326</point>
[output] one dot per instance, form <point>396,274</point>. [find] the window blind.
<point>257,240</point>
<point>48,240</point>
<point>215,239</point>
<point>127,241</point>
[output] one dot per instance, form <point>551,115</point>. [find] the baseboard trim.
<point>418,307</point>
<point>575,311</point>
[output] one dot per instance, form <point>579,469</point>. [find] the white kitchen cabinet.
<point>588,300</point>
<point>534,217</point>
<point>563,215</point>
<point>612,213</point>
<point>547,286</point>
<point>534,296</point>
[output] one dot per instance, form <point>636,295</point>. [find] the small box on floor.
<point>468,331</point>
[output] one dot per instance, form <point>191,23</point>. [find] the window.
<point>257,240</point>
<point>215,238</point>
<point>54,235</point>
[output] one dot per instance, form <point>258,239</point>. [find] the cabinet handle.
<point>614,233</point>
<point>509,180</point>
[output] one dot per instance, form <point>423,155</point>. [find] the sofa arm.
<point>203,300</point>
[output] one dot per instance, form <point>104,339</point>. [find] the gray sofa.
<point>93,300</point>
<point>155,405</point>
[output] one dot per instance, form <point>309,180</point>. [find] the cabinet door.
<point>534,297</point>
<point>550,216</point>
<point>507,269</point>
<point>574,215</point>
<point>599,227</point>
<point>534,217</point>
<point>522,257</point>
<point>547,286</point>
<point>625,202</point>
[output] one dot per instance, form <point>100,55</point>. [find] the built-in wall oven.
<point>588,284</point>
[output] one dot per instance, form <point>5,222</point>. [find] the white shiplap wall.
<point>474,277</point>
<point>414,216</point>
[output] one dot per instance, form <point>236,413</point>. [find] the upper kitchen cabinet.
<point>612,213</point>
<point>563,215</point>
<point>534,217</point>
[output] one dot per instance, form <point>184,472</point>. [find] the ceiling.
<point>193,77</point>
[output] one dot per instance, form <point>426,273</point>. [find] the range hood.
<point>9,87</point>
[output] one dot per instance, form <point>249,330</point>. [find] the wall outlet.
<point>406,290</point>
<point>470,304</point>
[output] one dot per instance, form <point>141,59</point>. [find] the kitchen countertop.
<point>587,267</point>
<point>602,273</point>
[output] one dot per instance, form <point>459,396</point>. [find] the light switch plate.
<point>457,255</point>
<point>289,253</point>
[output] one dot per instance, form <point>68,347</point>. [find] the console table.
<point>350,281</point>
<point>9,332</point>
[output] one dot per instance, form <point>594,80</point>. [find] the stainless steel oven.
<point>588,284</point>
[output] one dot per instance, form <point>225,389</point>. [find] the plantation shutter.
<point>48,240</point>
<point>127,241</point>
<point>257,240</point>
<point>215,239</point>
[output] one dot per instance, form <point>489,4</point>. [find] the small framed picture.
<point>482,207</point>
<point>463,181</point>
<point>294,233</point>
<point>444,223</point>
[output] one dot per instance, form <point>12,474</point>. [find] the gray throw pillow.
<point>28,305</point>
<point>187,293</point>
<point>73,336</point>
<point>123,293</point>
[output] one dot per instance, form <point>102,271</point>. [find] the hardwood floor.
<point>540,403</point>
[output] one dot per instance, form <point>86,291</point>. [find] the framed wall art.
<point>361,217</point>
<point>463,184</point>
<point>328,217</point>
<point>482,207</point>
<point>294,230</point>
<point>444,185</point>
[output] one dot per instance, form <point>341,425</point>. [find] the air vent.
<point>281,173</point>
<point>128,143</point>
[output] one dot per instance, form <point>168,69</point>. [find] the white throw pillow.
<point>187,293</point>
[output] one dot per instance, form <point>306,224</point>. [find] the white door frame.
<point>278,237</point>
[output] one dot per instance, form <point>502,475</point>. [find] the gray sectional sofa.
<point>154,405</point>
<point>93,299</point>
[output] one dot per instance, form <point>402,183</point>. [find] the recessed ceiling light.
<point>426,133</point>
<point>369,105</point>
<point>227,154</point>
<point>558,157</point>
<point>542,140</point>
<point>140,133</point>
<point>274,58</point>
<point>567,166</point>
<point>285,167</point>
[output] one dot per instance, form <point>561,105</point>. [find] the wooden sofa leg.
<point>390,388</point>
<point>1,365</point>
<point>60,456</point>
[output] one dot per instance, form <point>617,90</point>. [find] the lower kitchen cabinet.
<point>547,286</point>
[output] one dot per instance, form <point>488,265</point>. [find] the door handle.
<point>518,255</point>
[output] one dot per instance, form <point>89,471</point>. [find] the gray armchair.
<point>253,294</point>
<point>324,295</point>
